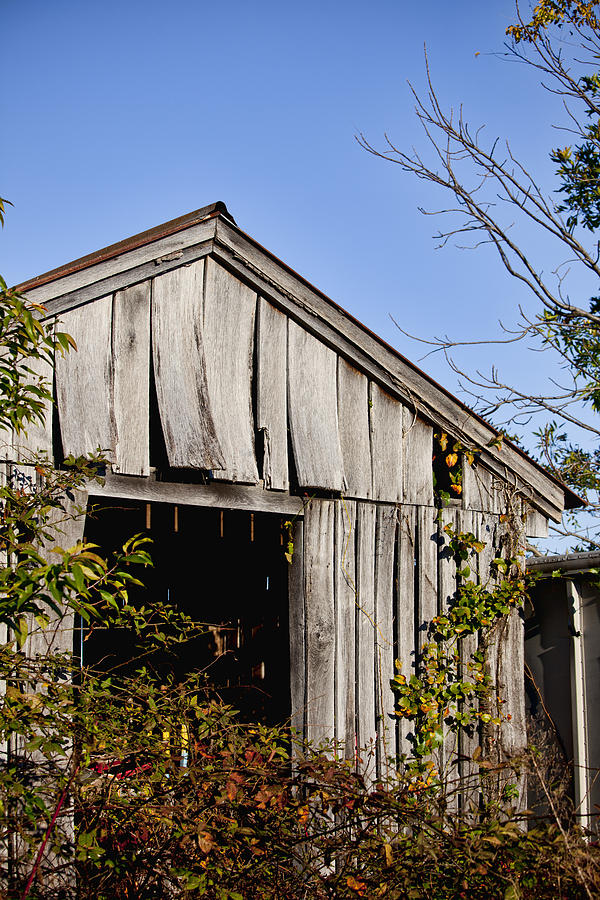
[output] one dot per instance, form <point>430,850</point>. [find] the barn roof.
<point>212,230</point>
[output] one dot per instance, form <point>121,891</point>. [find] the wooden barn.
<point>240,408</point>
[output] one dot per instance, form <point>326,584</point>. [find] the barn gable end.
<point>213,376</point>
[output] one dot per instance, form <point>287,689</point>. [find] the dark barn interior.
<point>224,568</point>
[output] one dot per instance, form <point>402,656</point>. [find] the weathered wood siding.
<point>373,577</point>
<point>232,373</point>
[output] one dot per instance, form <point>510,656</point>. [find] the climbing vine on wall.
<point>447,693</point>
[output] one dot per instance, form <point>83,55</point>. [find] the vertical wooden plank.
<point>511,668</point>
<point>229,311</point>
<point>427,570</point>
<point>481,489</point>
<point>536,523</point>
<point>66,530</point>
<point>312,404</point>
<point>385,415</point>
<point>271,394</point>
<point>385,543</point>
<point>448,757</point>
<point>345,627</point>
<point>297,619</point>
<point>365,634</point>
<point>131,363</point>
<point>180,369</point>
<point>38,437</point>
<point>405,611</point>
<point>84,380</point>
<point>468,521</point>
<point>353,412</point>
<point>320,620</point>
<point>418,456</point>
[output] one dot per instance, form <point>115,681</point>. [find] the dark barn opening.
<point>225,568</point>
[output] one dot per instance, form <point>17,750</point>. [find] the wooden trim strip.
<point>218,496</point>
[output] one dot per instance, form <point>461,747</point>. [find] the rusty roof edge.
<point>130,243</point>
<point>572,500</point>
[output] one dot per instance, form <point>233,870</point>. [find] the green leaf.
<point>21,630</point>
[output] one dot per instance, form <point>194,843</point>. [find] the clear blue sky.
<point>121,115</point>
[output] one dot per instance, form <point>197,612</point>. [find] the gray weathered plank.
<point>385,415</point>
<point>353,413</point>
<point>448,755</point>
<point>65,530</point>
<point>365,633</point>
<point>131,362</point>
<point>84,380</point>
<point>385,548</point>
<point>313,417</point>
<point>481,489</point>
<point>427,570</point>
<point>220,496</point>
<point>468,521</point>
<point>417,459</point>
<point>536,524</point>
<point>229,312</point>
<point>320,620</point>
<point>345,627</point>
<point>38,436</point>
<point>271,394</point>
<point>180,369</point>
<point>297,620</point>
<point>406,608</point>
<point>511,668</point>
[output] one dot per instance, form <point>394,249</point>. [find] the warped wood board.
<point>297,620</point>
<point>353,413</point>
<point>385,416</point>
<point>369,353</point>
<point>385,550</point>
<point>482,490</point>
<point>318,547</point>
<point>84,381</point>
<point>271,394</point>
<point>131,362</point>
<point>426,571</point>
<point>180,370</point>
<point>219,496</point>
<point>152,252</point>
<point>447,584</point>
<point>313,417</point>
<point>406,605</point>
<point>38,435</point>
<point>65,530</point>
<point>229,313</point>
<point>365,635</point>
<point>345,627</point>
<point>417,459</point>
